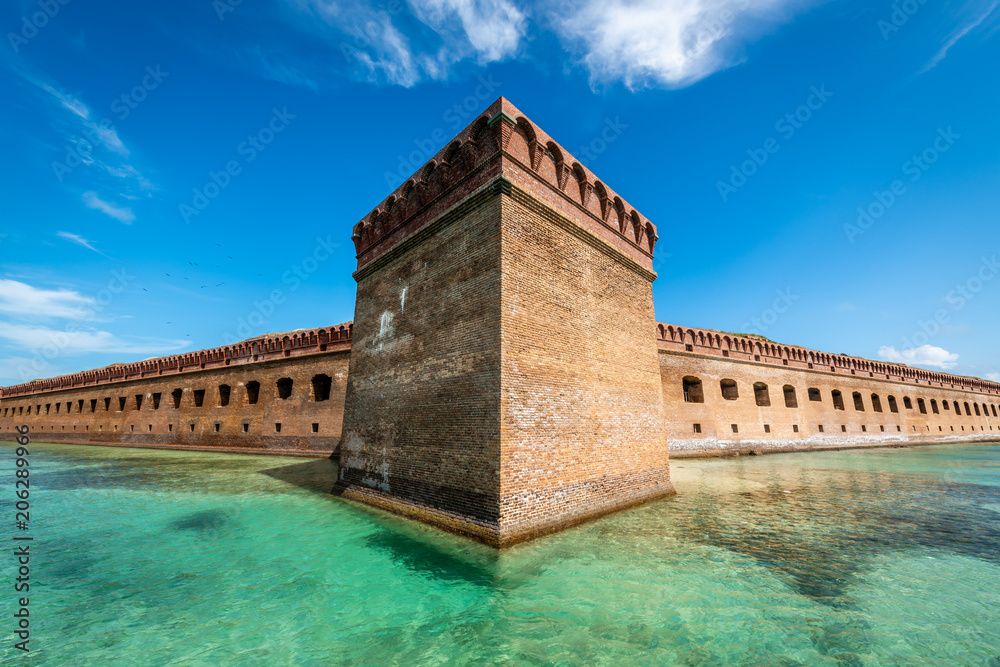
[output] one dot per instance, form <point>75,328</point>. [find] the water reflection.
<point>836,559</point>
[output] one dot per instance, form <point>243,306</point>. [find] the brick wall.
<point>582,427</point>
<point>796,424</point>
<point>109,412</point>
<point>421,432</point>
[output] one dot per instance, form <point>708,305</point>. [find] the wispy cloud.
<point>420,42</point>
<point>925,355</point>
<point>79,240</point>
<point>17,298</point>
<point>958,35</point>
<point>106,134</point>
<point>100,159</point>
<point>995,377</point>
<point>119,213</point>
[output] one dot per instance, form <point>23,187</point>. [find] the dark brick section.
<point>421,422</point>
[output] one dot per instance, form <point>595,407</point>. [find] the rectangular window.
<point>843,429</point>
<point>315,428</point>
<point>199,397</point>
<point>697,428</point>
<point>246,428</point>
<point>795,429</point>
<point>767,428</point>
<point>277,427</point>
<point>820,428</point>
<point>736,429</point>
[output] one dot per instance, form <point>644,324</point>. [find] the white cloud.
<point>995,377</point>
<point>641,43</point>
<point>404,48</point>
<point>957,35</point>
<point>17,298</point>
<point>925,355</point>
<point>119,213</point>
<point>493,28</point>
<point>670,43</point>
<point>79,342</point>
<point>30,349</point>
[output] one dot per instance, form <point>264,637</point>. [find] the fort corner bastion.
<point>504,376</point>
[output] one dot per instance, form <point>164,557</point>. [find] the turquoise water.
<point>876,557</point>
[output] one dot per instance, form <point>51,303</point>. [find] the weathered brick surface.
<point>78,413</point>
<point>423,396</point>
<point>581,398</point>
<point>925,401</point>
<point>518,391</point>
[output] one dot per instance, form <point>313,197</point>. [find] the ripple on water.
<point>840,558</point>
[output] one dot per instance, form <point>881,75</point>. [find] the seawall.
<point>913,406</point>
<point>726,394</point>
<point>274,394</point>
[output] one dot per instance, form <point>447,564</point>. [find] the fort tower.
<point>504,379</point>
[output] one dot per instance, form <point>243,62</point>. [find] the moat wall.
<point>171,427</point>
<point>779,398</point>
<point>218,404</point>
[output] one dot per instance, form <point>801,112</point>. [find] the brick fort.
<point>504,376</point>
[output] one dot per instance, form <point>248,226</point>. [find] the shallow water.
<point>873,557</point>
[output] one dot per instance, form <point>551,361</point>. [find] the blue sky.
<point>178,175</point>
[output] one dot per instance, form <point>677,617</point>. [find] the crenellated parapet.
<point>752,348</point>
<point>262,348</point>
<point>500,142</point>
